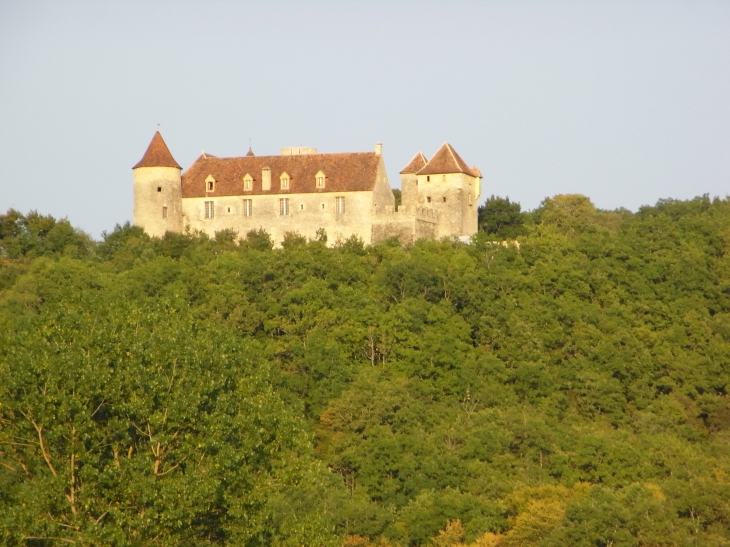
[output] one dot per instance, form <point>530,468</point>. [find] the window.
<point>444,199</point>
<point>164,212</point>
<point>428,199</point>
<point>443,178</point>
<point>209,183</point>
<point>229,209</point>
<point>428,178</point>
<point>247,182</point>
<point>284,179</point>
<point>340,204</point>
<point>159,188</point>
<point>247,208</point>
<point>284,206</point>
<point>319,178</point>
<point>209,210</point>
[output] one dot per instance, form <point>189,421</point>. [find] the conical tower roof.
<point>157,154</point>
<point>415,165</point>
<point>446,160</point>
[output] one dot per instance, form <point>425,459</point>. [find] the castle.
<point>301,191</point>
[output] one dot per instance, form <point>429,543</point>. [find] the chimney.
<point>266,178</point>
<point>379,148</point>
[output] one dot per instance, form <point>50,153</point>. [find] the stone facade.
<point>301,191</point>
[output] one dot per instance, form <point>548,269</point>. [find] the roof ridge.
<point>418,162</point>
<point>446,160</point>
<point>157,154</point>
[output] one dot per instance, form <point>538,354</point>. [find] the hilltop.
<point>560,381</point>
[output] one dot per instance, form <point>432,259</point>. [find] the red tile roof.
<point>157,154</point>
<point>415,165</point>
<point>446,160</point>
<point>347,172</point>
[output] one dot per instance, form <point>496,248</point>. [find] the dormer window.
<point>319,178</point>
<point>247,183</point>
<point>284,179</point>
<point>210,184</point>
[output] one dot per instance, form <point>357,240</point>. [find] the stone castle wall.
<point>454,196</point>
<point>307,214</point>
<point>157,193</point>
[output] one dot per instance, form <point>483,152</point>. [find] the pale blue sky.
<point>626,102</point>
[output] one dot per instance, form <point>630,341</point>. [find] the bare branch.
<point>46,456</point>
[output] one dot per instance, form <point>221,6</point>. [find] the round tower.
<point>158,190</point>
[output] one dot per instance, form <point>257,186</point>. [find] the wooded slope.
<point>569,390</point>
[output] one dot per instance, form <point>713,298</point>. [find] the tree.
<point>501,218</point>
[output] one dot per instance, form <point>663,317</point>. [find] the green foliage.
<point>37,235</point>
<point>569,391</point>
<point>501,218</point>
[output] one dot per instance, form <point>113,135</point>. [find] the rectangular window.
<point>340,205</point>
<point>209,210</point>
<point>320,182</point>
<point>247,207</point>
<point>285,183</point>
<point>164,212</point>
<point>284,206</point>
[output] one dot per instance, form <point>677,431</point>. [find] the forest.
<point>560,381</point>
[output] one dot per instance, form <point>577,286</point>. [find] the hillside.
<point>568,389</point>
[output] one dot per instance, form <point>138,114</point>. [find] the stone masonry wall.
<point>155,188</point>
<point>307,214</point>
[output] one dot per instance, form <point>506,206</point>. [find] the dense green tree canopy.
<point>567,390</point>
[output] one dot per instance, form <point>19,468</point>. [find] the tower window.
<point>284,206</point>
<point>247,207</point>
<point>164,212</point>
<point>209,209</point>
<point>159,188</point>
<point>340,205</point>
